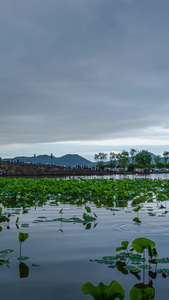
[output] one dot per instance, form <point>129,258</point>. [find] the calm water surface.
<point>121,176</point>
<point>64,251</point>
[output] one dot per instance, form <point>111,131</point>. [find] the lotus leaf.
<point>123,247</point>
<point>137,220</point>
<point>35,265</point>
<point>88,209</point>
<point>23,236</point>
<point>132,268</point>
<point>104,292</point>
<point>23,258</point>
<point>137,208</point>
<point>139,244</point>
<point>163,260</point>
<point>88,218</point>
<point>141,294</point>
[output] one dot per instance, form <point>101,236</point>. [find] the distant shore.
<point>10,169</point>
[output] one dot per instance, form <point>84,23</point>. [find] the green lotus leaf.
<point>137,220</point>
<point>104,292</point>
<point>35,265</point>
<point>164,260</point>
<point>123,247</point>
<point>137,208</point>
<point>88,218</point>
<point>144,267</point>
<point>132,268</point>
<point>139,244</point>
<point>110,257</point>
<point>88,209</point>
<point>23,258</point>
<point>6,252</point>
<point>134,256</point>
<point>163,271</point>
<point>142,294</point>
<point>140,259</point>
<point>23,236</point>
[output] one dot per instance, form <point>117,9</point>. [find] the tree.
<point>133,154</point>
<point>166,155</point>
<point>157,160</point>
<point>113,156</point>
<point>123,158</point>
<point>143,158</point>
<point>100,158</point>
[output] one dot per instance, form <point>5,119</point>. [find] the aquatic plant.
<point>22,238</point>
<point>104,292</point>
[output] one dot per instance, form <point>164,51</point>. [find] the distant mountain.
<point>67,160</point>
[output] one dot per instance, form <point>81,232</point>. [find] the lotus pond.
<point>84,239</point>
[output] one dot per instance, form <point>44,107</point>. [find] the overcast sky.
<point>83,76</point>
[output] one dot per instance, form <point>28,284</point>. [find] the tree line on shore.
<point>132,159</point>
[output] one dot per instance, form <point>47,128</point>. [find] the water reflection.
<point>23,270</point>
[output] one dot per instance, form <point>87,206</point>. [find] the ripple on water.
<point>143,228</point>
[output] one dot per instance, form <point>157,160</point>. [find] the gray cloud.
<point>83,70</point>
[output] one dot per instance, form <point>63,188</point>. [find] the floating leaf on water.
<point>88,218</point>
<point>144,267</point>
<point>166,271</point>
<point>24,225</point>
<point>110,257</point>
<point>133,256</point>
<point>6,251</point>
<point>112,266</point>
<point>23,258</point>
<point>103,261</point>
<point>164,260</point>
<point>35,265</point>
<point>138,259</point>
<point>42,217</point>
<point>132,268</point>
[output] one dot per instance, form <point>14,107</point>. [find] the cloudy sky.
<point>83,76</point>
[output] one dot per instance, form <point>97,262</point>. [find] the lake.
<point>124,176</point>
<point>63,255</point>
